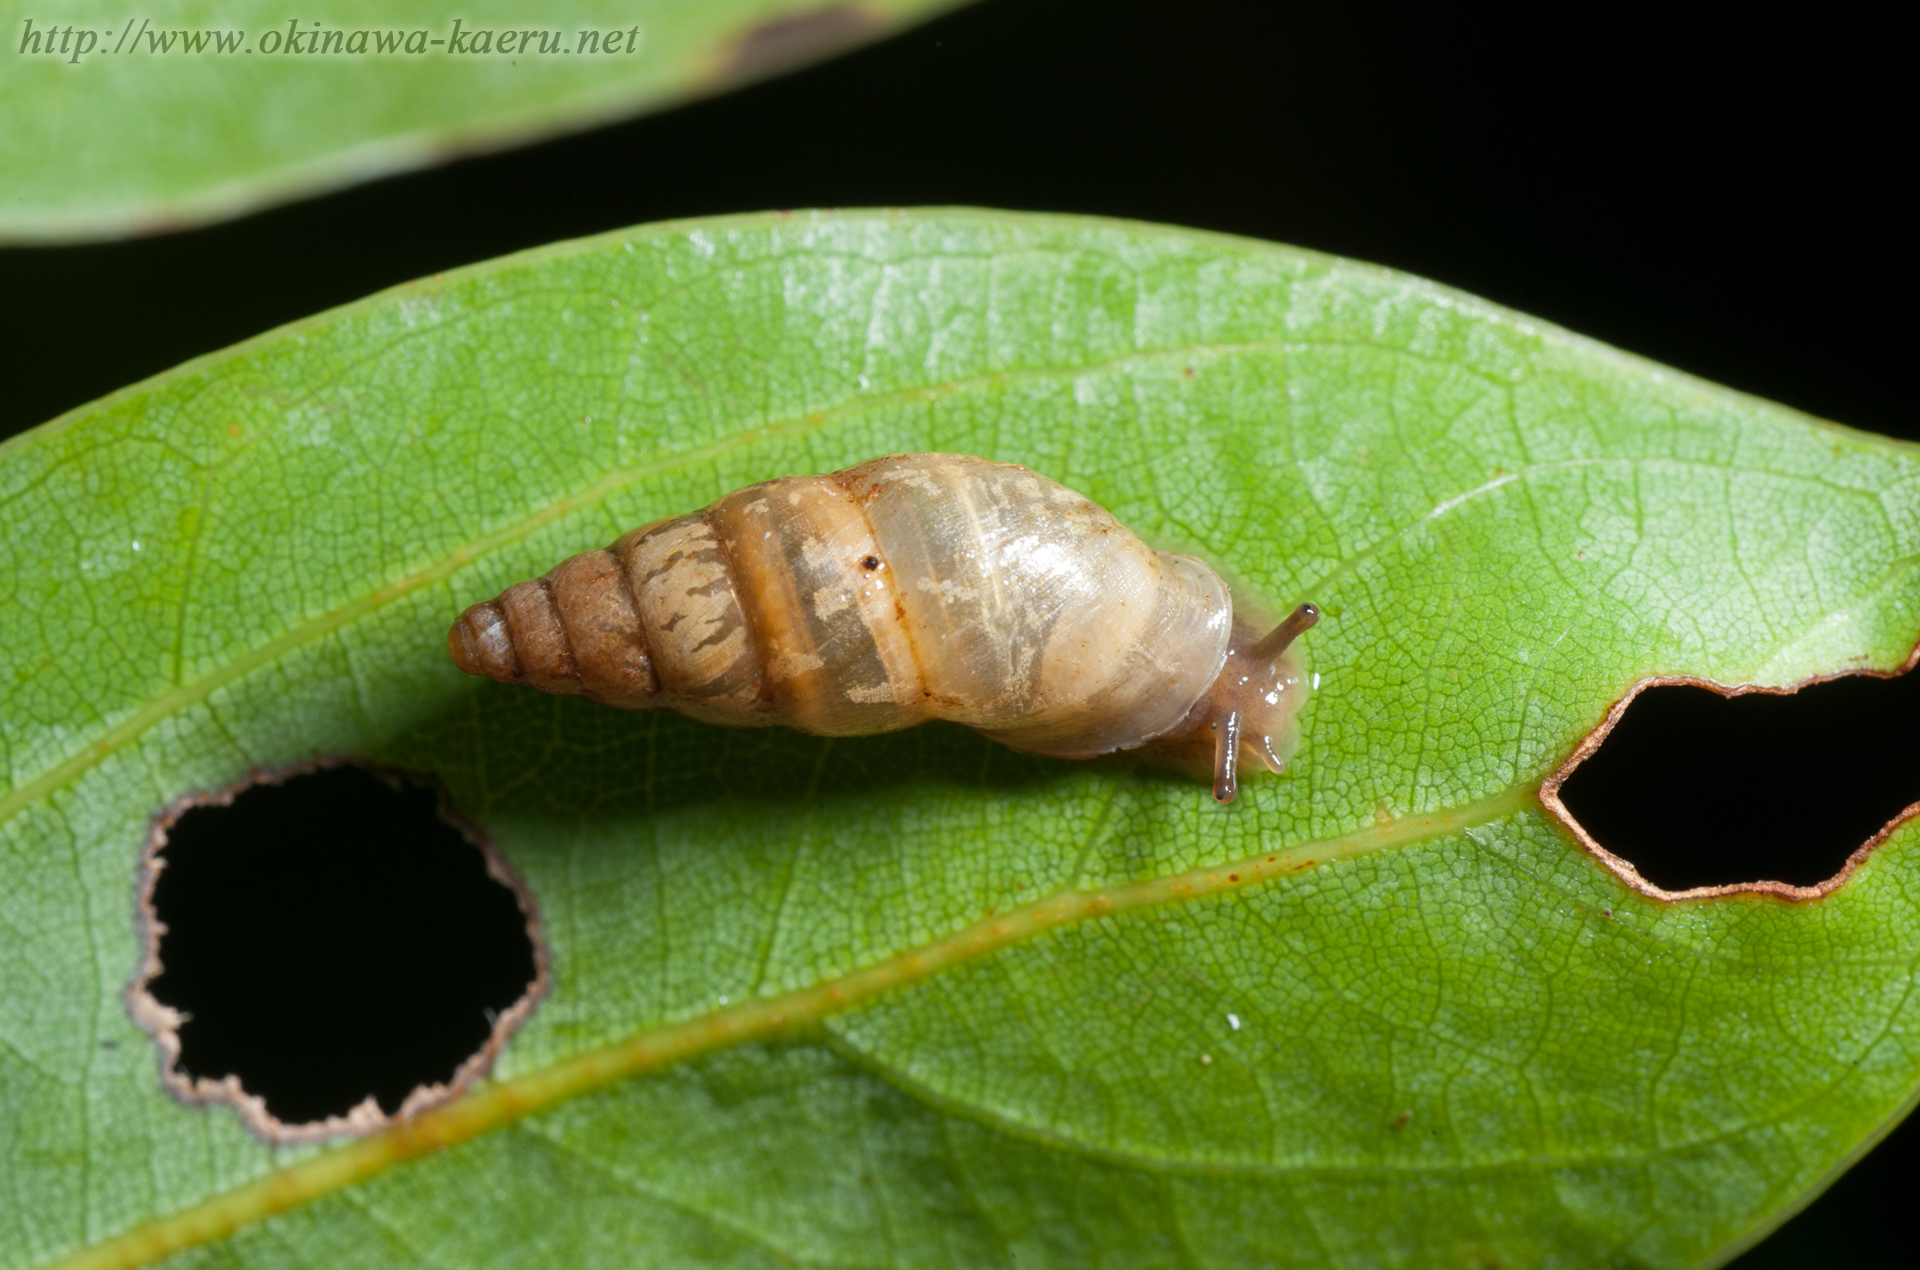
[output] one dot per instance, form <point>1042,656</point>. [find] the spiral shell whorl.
<point>866,601</point>
<point>691,617</point>
<point>481,644</point>
<point>573,632</point>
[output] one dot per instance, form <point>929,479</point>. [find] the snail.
<point>911,587</point>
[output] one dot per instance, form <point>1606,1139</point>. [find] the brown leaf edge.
<point>792,40</point>
<point>162,1022</point>
<point>1624,869</point>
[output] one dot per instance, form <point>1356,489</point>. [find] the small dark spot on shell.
<point>870,562</point>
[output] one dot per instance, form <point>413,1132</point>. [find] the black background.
<point>1716,192</point>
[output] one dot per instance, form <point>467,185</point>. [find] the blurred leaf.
<point>133,119</point>
<point>919,1000</point>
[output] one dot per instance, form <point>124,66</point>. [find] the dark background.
<point>1715,192</point>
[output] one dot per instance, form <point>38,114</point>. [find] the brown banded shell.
<point>908,588</point>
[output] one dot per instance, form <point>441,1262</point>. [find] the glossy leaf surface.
<point>919,1000</point>
<point>127,119</point>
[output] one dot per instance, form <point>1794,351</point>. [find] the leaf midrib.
<point>496,1105</point>
<point>1808,1097</point>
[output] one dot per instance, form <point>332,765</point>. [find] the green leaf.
<point>919,1000</point>
<point>127,119</point>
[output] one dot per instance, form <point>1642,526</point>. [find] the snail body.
<point>908,588</point>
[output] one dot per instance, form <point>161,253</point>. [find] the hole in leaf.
<point>335,947</point>
<point>1698,789</point>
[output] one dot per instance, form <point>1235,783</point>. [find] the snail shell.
<point>911,587</point>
